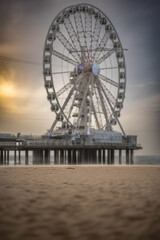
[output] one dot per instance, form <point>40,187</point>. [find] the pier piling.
<point>132,156</point>
<point>26,157</point>
<point>127,156</point>
<point>15,157</point>
<point>120,156</point>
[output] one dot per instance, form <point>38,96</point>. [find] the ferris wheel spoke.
<point>93,109</point>
<point>101,46</point>
<point>97,105</point>
<point>62,72</point>
<point>73,101</point>
<point>72,34</point>
<point>105,56</point>
<point>68,97</point>
<point>63,57</point>
<point>112,109</point>
<point>96,33</point>
<point>95,116</point>
<point>88,31</point>
<point>102,104</point>
<point>67,45</point>
<point>108,80</point>
<point>110,95</point>
<point>80,32</point>
<point>63,89</point>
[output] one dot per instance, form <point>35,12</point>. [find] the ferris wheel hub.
<point>95,69</point>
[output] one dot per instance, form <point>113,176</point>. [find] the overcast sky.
<point>23,104</point>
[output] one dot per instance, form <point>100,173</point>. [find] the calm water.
<point>138,160</point>
<point>145,160</point>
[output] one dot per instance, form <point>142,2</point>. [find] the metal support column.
<point>15,157</point>
<point>1,157</point>
<point>19,156</point>
<point>132,156</point>
<point>112,156</point>
<point>93,153</point>
<point>90,156</point>
<point>99,156</point>
<point>83,156</point>
<point>104,156</point>
<point>69,156</point>
<point>26,157</point>
<point>7,157</point>
<point>109,156</point>
<point>61,156</point>
<point>74,156</point>
<point>56,156</point>
<point>47,156</point>
<point>120,156</point>
<point>127,156</point>
<point>86,156</point>
<point>79,156</point>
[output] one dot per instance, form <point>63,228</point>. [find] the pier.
<point>60,152</point>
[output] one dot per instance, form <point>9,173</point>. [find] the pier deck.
<point>101,153</point>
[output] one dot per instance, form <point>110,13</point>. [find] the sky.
<point>23,103</point>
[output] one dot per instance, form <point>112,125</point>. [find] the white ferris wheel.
<point>84,70</point>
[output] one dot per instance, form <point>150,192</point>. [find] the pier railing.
<point>43,144</point>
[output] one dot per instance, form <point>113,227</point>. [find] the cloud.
<point>24,25</point>
<point>147,84</point>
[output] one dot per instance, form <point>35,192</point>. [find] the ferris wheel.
<point>84,69</point>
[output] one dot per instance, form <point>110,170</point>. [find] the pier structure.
<point>58,152</point>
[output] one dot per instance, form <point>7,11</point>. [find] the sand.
<point>80,202</point>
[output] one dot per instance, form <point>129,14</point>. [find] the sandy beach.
<point>80,202</point>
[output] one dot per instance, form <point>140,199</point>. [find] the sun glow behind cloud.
<point>7,89</point>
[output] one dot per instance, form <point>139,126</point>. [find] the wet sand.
<point>80,202</point>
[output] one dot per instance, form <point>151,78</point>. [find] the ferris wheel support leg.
<point>102,104</point>
<point>82,104</point>
<point>70,93</point>
<point>113,110</point>
<point>52,127</point>
<point>90,107</point>
<point>70,110</point>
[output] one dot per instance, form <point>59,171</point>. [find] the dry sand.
<point>80,202</point>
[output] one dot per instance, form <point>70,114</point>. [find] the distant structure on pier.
<point>85,79</point>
